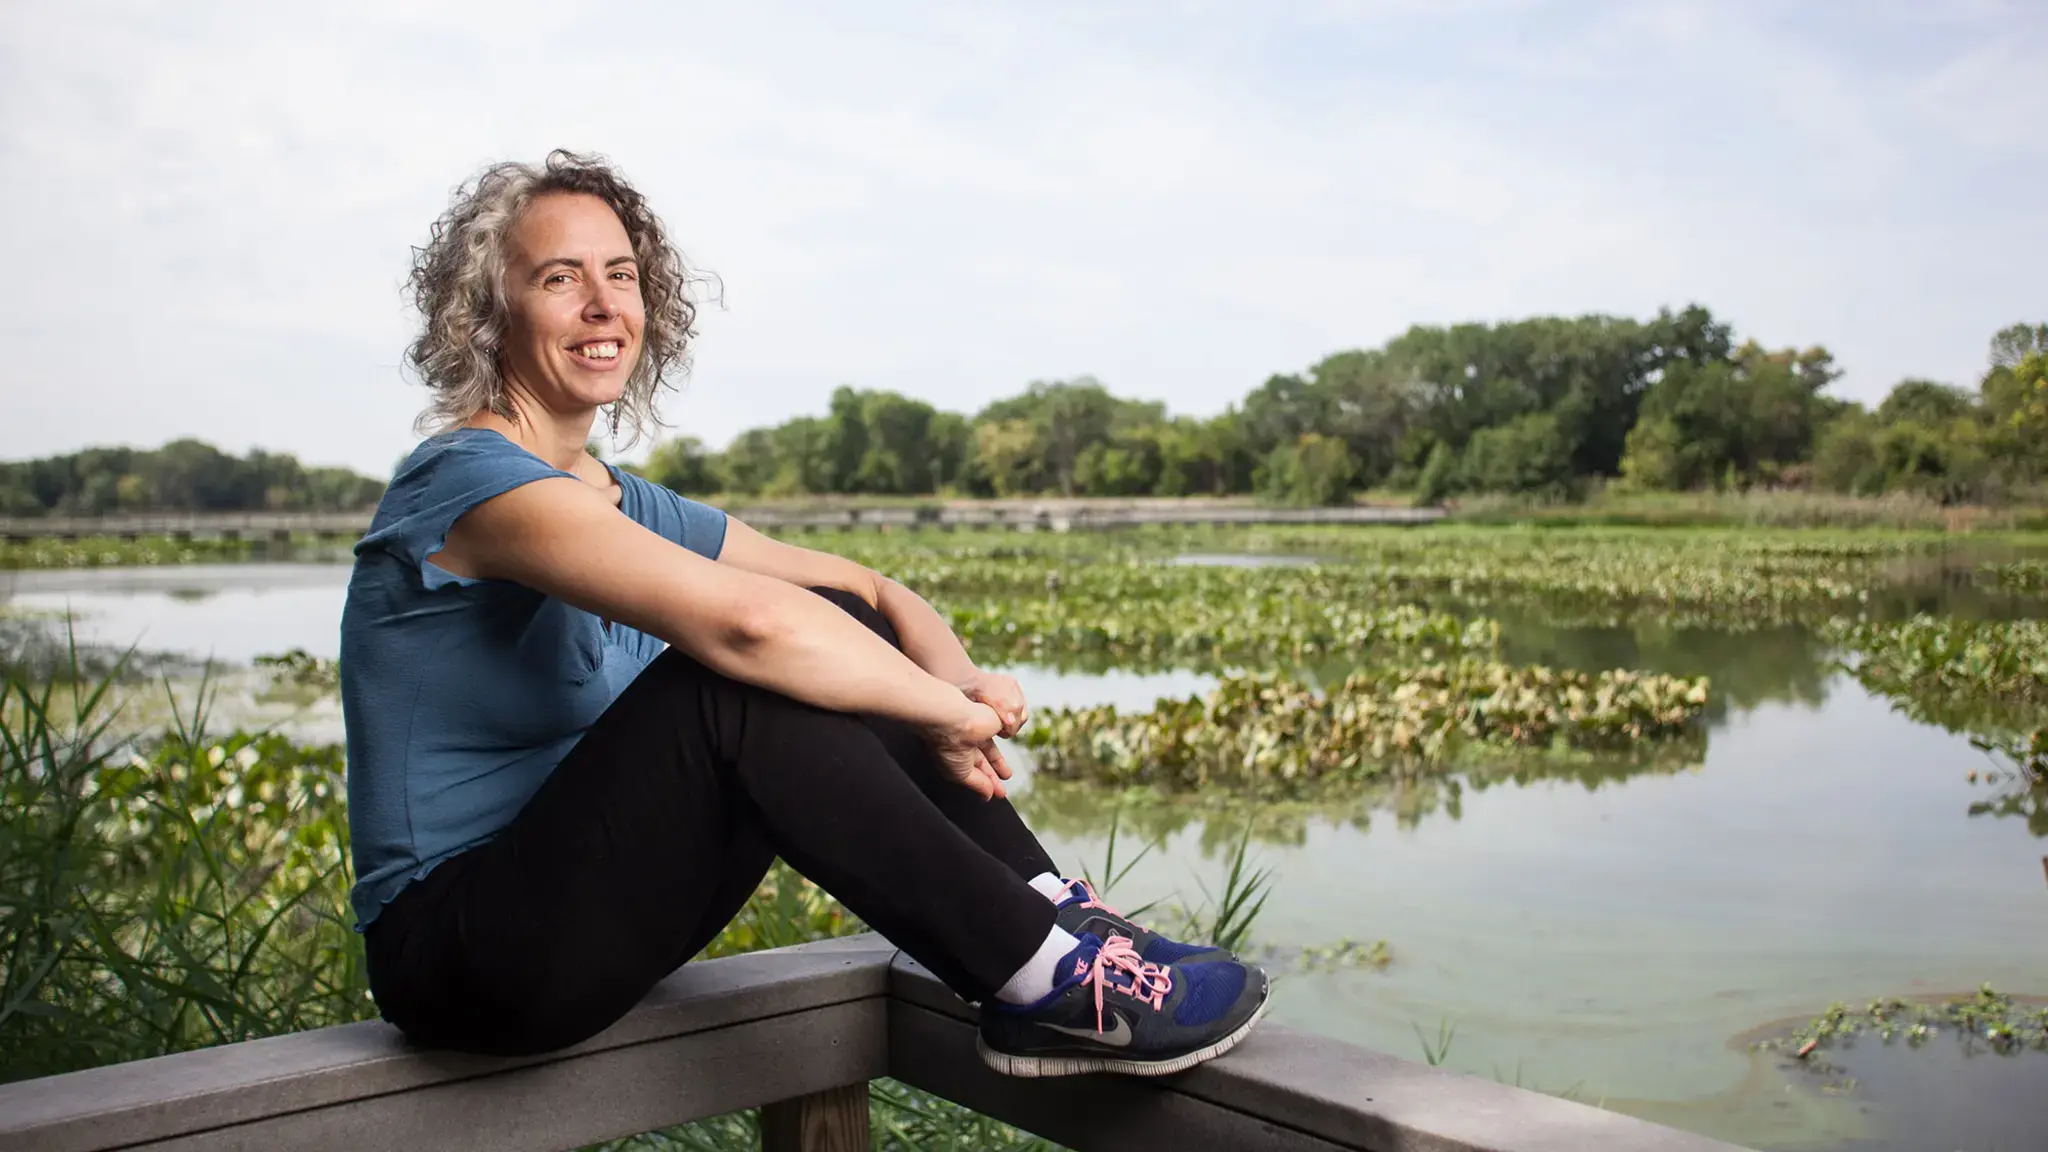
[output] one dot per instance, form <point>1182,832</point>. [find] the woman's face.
<point>576,312</point>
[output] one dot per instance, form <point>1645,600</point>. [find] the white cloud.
<point>952,200</point>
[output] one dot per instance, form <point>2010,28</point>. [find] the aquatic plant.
<point>1209,631</point>
<point>2020,575</point>
<point>1964,674</point>
<point>1993,1019</point>
<point>1270,733</point>
<point>302,669</point>
<point>108,552</point>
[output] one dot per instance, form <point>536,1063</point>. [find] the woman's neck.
<point>557,439</point>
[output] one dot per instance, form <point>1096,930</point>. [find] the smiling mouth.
<point>602,351</point>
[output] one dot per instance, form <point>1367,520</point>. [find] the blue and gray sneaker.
<point>1114,1012</point>
<point>1083,913</point>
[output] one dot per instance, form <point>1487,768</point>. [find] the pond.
<point>1620,936</point>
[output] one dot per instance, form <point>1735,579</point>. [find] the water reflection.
<point>228,613</point>
<point>1770,664</point>
<point>2026,800</point>
<point>1081,809</point>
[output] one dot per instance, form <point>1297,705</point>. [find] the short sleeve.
<point>443,479</point>
<point>698,527</point>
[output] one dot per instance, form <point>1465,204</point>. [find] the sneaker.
<point>1083,913</point>
<point>1115,1012</point>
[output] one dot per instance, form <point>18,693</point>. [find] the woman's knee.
<point>862,611</point>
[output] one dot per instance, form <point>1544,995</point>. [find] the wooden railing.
<point>1057,516</point>
<point>799,1032</point>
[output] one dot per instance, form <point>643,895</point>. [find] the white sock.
<point>1035,979</point>
<point>1049,886</point>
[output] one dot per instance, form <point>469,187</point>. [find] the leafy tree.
<point>1926,402</point>
<point>685,465</point>
<point>1741,418</point>
<point>1065,418</point>
<point>1369,401</point>
<point>1314,470</point>
<point>803,458</point>
<point>1127,465</point>
<point>1010,455</point>
<point>1439,475</point>
<point>900,456</point>
<point>845,444</point>
<point>2012,346</point>
<point>1528,454</point>
<point>749,463</point>
<point>184,475</point>
<point>1845,455</point>
<point>952,453</point>
<point>1279,412</point>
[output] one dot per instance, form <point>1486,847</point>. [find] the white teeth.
<point>606,350</point>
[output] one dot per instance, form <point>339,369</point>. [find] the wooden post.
<point>835,1120</point>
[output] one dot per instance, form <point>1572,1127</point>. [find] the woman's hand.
<point>967,750</point>
<point>1003,694</point>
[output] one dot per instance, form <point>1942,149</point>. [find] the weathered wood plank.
<point>835,1120</point>
<point>934,1051</point>
<point>783,1026</point>
<point>570,1103</point>
<point>270,1085</point>
<point>1281,1088</point>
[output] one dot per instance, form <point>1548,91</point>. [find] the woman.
<point>584,715</point>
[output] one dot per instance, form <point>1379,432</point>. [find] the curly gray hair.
<point>458,285</point>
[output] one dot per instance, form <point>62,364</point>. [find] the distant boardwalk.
<point>1049,515</point>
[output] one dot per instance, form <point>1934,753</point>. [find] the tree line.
<point>1543,407</point>
<point>182,476</point>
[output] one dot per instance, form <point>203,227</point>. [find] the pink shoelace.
<point>1089,898</point>
<point>1149,982</point>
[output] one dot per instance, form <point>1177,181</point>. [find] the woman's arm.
<point>926,638</point>
<point>562,538</point>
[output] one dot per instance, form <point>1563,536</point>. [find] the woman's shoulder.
<point>443,477</point>
<point>465,454</point>
<point>695,525</point>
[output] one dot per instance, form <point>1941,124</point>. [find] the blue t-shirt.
<point>459,695</point>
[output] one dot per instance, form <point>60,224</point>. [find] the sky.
<point>213,206</point>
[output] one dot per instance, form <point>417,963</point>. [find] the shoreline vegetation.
<point>1900,517</point>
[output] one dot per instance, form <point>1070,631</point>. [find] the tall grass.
<point>166,894</point>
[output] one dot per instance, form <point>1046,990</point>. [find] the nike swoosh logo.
<point>1117,1035</point>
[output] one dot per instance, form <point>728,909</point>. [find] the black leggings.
<point>656,828</point>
